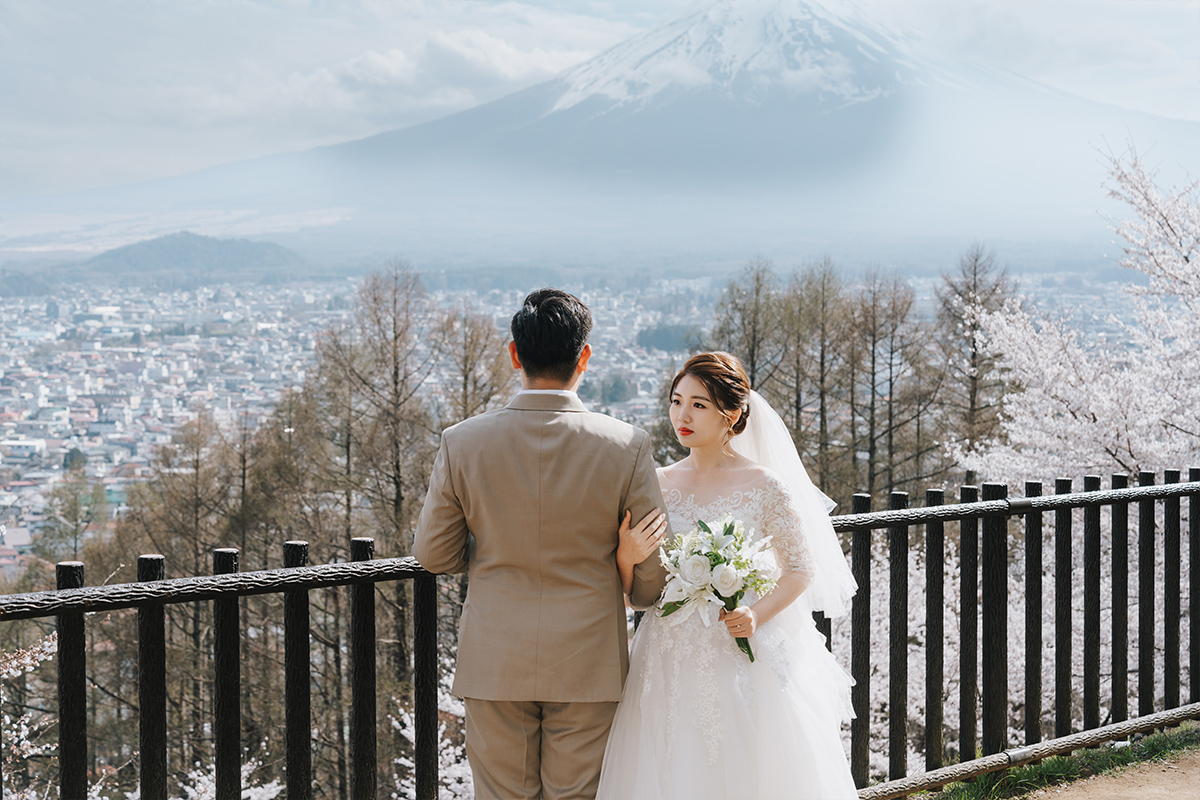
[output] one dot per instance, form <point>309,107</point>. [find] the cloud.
<point>99,95</point>
<point>447,72</point>
<point>1037,36</point>
<point>475,56</point>
<point>1141,54</point>
<point>380,69</point>
<point>102,93</point>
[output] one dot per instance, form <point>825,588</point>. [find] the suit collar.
<point>533,401</point>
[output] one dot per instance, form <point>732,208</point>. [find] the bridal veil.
<point>767,441</point>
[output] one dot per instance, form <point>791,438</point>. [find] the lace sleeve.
<point>782,522</point>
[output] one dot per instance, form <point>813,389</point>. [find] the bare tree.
<point>73,507</point>
<point>825,294</point>
<point>182,512</point>
<point>746,323</point>
<point>812,319</point>
<point>475,360</point>
<point>381,359</point>
<point>885,351</point>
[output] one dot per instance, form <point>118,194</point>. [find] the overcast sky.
<point>104,93</point>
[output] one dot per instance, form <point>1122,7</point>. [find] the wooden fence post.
<point>72,691</point>
<point>1171,558</point>
<point>152,686</point>
<point>898,642</point>
<point>1120,604</point>
<point>297,681</point>
<point>860,646</point>
<point>1033,619</point>
<point>1146,609</point>
<point>227,691</point>
<point>935,571</point>
<point>363,756</point>
<point>968,623</point>
<point>1091,608</point>
<point>1063,568</point>
<point>995,624</point>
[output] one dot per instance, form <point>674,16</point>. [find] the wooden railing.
<point>995,510</point>
<point>151,593</point>
<point>149,596</point>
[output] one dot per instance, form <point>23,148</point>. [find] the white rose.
<point>726,580</point>
<point>696,570</point>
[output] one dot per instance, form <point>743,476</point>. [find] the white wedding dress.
<point>698,719</point>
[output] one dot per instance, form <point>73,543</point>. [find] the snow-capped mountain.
<point>749,51</point>
<point>742,91</point>
<point>750,126</point>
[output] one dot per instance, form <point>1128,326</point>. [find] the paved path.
<point>1178,779</point>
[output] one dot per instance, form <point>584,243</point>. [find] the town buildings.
<point>106,376</point>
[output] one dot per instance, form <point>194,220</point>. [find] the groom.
<point>527,500</point>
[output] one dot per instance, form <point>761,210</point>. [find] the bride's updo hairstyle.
<point>725,379</point>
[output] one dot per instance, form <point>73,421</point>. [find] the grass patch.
<point>1080,764</point>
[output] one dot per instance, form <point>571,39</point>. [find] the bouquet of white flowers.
<point>710,571</point>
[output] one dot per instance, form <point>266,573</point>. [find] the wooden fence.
<point>983,566</point>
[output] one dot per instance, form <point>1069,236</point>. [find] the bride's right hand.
<point>637,543</point>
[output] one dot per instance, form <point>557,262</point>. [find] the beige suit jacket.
<point>527,500</point>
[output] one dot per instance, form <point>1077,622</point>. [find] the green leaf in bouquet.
<point>702,525</point>
<point>672,607</point>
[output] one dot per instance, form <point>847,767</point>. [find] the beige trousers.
<point>536,751</point>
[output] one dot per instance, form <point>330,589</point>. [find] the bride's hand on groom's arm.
<point>641,540</point>
<point>637,543</point>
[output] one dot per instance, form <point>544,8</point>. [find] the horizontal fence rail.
<point>205,587</point>
<point>984,545</point>
<point>983,540</point>
<point>1008,507</point>
<point>152,593</point>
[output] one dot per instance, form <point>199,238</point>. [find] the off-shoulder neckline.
<point>718,490</point>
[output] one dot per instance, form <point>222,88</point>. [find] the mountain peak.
<point>748,48</point>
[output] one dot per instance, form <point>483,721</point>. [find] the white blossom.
<point>1080,405</point>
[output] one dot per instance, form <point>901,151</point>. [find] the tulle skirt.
<point>698,721</point>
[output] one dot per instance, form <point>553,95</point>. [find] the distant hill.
<point>195,254</point>
<point>180,260</point>
<point>15,283</point>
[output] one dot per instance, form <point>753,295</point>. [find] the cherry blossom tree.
<point>1084,405</point>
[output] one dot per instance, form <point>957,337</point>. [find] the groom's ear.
<point>584,355</point>
<point>512,354</point>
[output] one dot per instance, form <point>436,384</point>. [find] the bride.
<point>698,719</point>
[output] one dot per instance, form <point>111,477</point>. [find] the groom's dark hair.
<point>550,331</point>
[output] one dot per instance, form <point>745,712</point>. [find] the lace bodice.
<point>764,504</point>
